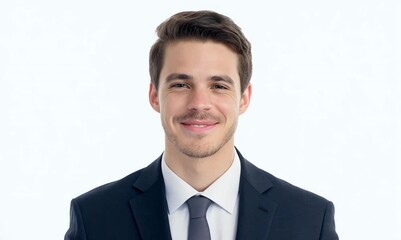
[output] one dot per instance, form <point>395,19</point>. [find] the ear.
<point>153,98</point>
<point>245,99</point>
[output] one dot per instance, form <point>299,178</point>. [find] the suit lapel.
<point>256,211</point>
<point>149,207</point>
<point>255,214</point>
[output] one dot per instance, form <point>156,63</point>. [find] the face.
<point>199,97</point>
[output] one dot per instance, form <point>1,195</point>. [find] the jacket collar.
<point>149,207</point>
<point>255,212</point>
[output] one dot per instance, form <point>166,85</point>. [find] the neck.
<point>199,173</point>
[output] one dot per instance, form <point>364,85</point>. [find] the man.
<point>200,69</point>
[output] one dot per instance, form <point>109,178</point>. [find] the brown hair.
<point>201,25</point>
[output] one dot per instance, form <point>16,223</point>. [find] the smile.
<point>198,127</point>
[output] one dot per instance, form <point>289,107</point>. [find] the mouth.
<point>198,126</point>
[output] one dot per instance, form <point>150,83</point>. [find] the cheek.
<point>171,107</point>
<point>230,108</point>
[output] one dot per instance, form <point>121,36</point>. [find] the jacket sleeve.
<point>76,230</point>
<point>328,231</point>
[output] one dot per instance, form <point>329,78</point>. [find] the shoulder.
<point>298,212</point>
<point>105,212</point>
<point>290,193</point>
<point>279,189</point>
<point>294,206</point>
<point>123,188</point>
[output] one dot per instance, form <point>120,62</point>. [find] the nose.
<point>199,100</point>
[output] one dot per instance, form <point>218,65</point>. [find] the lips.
<point>198,125</point>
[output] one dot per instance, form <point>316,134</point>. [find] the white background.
<point>325,113</point>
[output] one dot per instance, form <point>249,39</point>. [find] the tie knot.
<point>198,206</point>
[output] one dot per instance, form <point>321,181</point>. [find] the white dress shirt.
<point>222,214</point>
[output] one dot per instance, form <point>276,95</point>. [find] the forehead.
<point>199,57</point>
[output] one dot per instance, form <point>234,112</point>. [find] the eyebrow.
<point>223,78</point>
<point>175,76</point>
<point>215,78</point>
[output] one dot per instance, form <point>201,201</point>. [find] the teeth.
<point>199,126</point>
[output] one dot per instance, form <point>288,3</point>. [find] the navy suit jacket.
<point>135,207</point>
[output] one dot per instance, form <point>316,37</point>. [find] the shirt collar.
<point>223,192</point>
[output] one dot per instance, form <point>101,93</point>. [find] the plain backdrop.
<point>325,113</point>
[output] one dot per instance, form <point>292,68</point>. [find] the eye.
<point>179,85</point>
<point>219,86</point>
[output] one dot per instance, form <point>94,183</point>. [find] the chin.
<point>198,154</point>
<point>199,150</point>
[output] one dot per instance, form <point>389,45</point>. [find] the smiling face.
<point>199,97</point>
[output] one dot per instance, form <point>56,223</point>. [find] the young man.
<point>200,68</point>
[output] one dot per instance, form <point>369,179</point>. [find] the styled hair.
<point>203,26</point>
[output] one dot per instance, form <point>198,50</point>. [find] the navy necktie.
<point>198,228</point>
